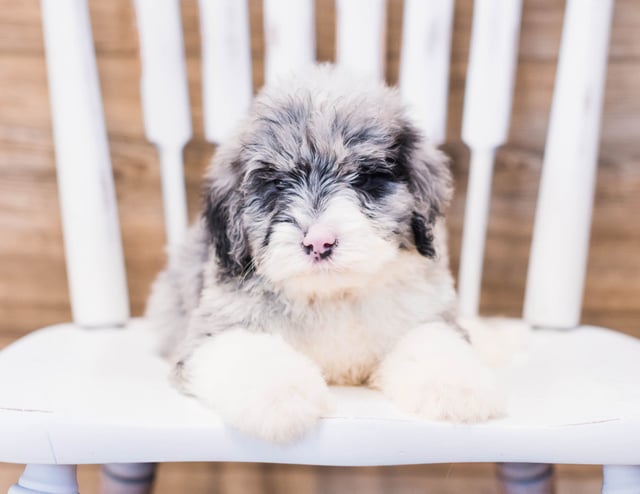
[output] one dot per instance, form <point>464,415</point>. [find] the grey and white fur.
<point>320,258</point>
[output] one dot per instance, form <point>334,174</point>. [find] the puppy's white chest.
<point>346,345</point>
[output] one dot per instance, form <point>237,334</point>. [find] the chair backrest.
<point>92,240</point>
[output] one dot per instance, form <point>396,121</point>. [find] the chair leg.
<point>621,479</point>
<point>525,478</point>
<point>47,479</point>
<point>127,478</point>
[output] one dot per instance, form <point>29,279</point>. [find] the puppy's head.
<point>325,184</point>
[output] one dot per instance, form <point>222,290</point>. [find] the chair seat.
<point>69,395</point>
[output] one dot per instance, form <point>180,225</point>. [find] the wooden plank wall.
<point>32,277</point>
<point>238,478</point>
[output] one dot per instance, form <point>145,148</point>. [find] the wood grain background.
<point>33,290</point>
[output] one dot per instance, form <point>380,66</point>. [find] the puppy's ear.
<point>223,217</point>
<point>426,170</point>
<point>423,235</point>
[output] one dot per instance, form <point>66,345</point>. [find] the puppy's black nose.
<point>319,242</point>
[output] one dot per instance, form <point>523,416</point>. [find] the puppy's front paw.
<point>258,384</point>
<point>435,374</point>
<point>286,410</point>
<point>468,396</point>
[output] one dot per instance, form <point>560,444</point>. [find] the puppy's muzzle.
<point>319,242</point>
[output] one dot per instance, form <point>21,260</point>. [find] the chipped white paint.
<point>227,86</point>
<point>560,244</point>
<point>476,215</point>
<point>93,249</point>
<point>485,124</point>
<point>361,36</point>
<point>290,41</point>
<point>424,63</point>
<point>165,102</point>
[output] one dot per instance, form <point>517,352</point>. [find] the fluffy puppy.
<point>320,259</point>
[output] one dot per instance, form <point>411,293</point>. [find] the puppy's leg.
<point>434,372</point>
<point>257,383</point>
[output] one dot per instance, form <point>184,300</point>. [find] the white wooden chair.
<point>94,391</point>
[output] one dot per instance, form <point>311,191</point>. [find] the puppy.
<point>320,259</point>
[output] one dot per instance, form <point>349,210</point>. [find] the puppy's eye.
<point>267,182</point>
<point>265,188</point>
<point>375,183</point>
<point>273,186</point>
<point>279,183</point>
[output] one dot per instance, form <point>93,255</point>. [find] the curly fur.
<point>252,323</point>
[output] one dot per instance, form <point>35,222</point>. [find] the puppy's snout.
<point>319,242</point>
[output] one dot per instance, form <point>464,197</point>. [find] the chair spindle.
<point>361,36</point>
<point>559,249</point>
<point>424,63</point>
<point>290,41</point>
<point>93,248</point>
<point>227,86</point>
<point>165,102</point>
<point>485,124</point>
